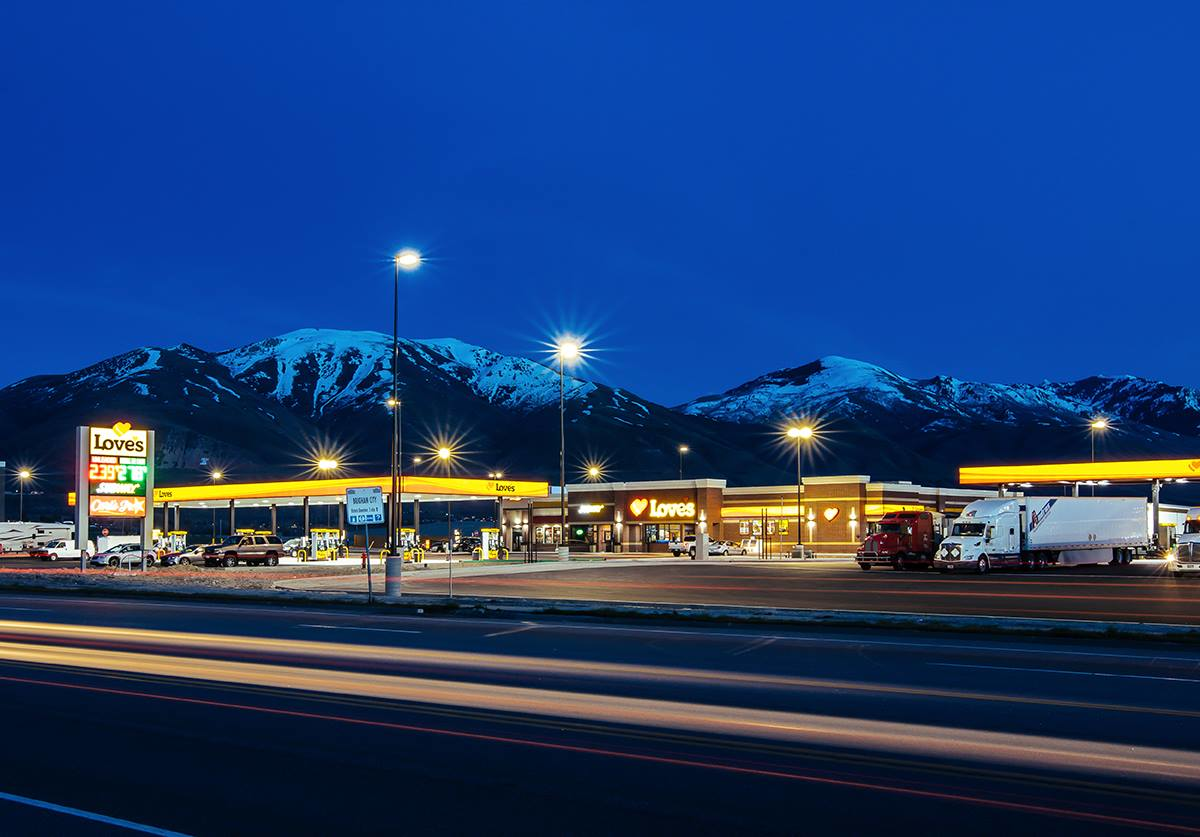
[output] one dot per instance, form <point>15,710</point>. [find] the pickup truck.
<point>678,546</point>
<point>61,548</point>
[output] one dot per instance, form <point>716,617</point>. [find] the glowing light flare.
<point>25,474</point>
<point>1099,424</point>
<point>408,259</point>
<point>800,432</point>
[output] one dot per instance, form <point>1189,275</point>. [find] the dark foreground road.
<point>221,719</point>
<point>1142,592</point>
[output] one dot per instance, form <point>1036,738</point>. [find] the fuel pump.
<point>490,548</point>
<point>410,547</point>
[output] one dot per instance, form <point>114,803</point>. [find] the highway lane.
<point>204,718</point>
<point>1142,593</point>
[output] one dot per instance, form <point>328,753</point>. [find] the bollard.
<point>391,576</point>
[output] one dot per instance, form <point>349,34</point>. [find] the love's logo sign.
<point>122,427</point>
<point>636,507</point>
<point>830,514</point>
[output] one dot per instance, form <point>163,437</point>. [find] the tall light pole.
<point>215,476</point>
<point>568,350</point>
<point>444,453</point>
<point>800,433</point>
<point>23,476</point>
<point>682,450</point>
<point>1097,425</point>
<point>407,259</point>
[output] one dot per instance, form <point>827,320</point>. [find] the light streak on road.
<point>920,740</point>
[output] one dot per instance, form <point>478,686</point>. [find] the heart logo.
<point>830,514</point>
<point>638,506</point>
<point>122,427</point>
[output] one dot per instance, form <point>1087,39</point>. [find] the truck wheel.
<point>675,552</point>
<point>865,567</point>
<point>52,557</point>
<point>983,565</point>
<point>897,564</point>
<point>692,553</point>
<point>272,559</point>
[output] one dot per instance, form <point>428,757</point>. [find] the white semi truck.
<point>1038,531</point>
<point>1184,559</point>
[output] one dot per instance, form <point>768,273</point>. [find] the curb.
<point>710,614</point>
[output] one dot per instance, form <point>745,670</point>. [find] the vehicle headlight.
<point>1170,556</point>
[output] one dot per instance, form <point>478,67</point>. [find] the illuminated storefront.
<point>645,516</point>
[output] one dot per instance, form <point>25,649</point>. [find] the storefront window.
<point>744,527</point>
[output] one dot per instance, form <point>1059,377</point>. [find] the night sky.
<point>708,191</point>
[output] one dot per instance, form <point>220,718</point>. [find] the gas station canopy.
<point>1139,470</point>
<point>333,490</point>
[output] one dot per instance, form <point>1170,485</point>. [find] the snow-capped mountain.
<point>841,388</point>
<point>261,409</point>
<point>320,371</point>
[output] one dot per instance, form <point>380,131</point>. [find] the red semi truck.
<point>901,540</point>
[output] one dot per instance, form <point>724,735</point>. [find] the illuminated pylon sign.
<point>115,472</point>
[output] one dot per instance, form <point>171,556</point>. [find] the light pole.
<point>407,259</point>
<point>1097,425</point>
<point>568,350</point>
<point>801,433</point>
<point>444,453</point>
<point>682,450</point>
<point>23,476</point>
<point>215,476</point>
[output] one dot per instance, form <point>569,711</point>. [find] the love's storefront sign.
<point>651,508</point>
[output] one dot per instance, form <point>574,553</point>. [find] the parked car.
<point>718,547</point>
<point>292,544</point>
<point>248,549</point>
<point>191,555</point>
<point>60,548</point>
<point>123,555</point>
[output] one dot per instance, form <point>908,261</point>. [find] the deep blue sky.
<point>997,191</point>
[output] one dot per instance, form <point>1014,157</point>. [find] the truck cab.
<point>1184,559</point>
<point>986,535</point>
<point>901,540</point>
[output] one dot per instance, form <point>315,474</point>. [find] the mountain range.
<point>268,408</point>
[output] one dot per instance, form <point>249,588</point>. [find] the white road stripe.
<point>528,626</point>
<point>360,628</point>
<point>1067,671</point>
<point>88,815</point>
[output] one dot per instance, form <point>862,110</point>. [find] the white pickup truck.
<point>678,546</point>
<point>61,549</point>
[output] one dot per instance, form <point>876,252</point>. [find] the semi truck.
<point>1184,558</point>
<point>901,540</point>
<point>1034,532</point>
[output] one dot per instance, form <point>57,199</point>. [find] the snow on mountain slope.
<point>843,388</point>
<point>321,370</point>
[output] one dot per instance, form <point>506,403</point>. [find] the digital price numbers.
<point>117,475</point>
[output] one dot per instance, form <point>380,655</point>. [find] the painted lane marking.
<point>360,628</point>
<point>1068,671</point>
<point>528,626</point>
<point>88,815</point>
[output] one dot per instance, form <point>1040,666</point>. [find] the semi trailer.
<point>1040,531</point>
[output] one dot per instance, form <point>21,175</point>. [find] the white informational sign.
<point>364,506</point>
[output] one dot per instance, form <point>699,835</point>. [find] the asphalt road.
<point>203,718</point>
<point>1142,592</point>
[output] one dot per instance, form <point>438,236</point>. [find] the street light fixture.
<point>23,476</point>
<point>800,433</point>
<point>568,351</point>
<point>594,473</point>
<point>682,450</point>
<point>327,465</point>
<point>407,260</point>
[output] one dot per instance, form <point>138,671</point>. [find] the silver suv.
<point>249,549</point>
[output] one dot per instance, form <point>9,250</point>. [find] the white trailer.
<point>1037,531</point>
<point>19,537</point>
